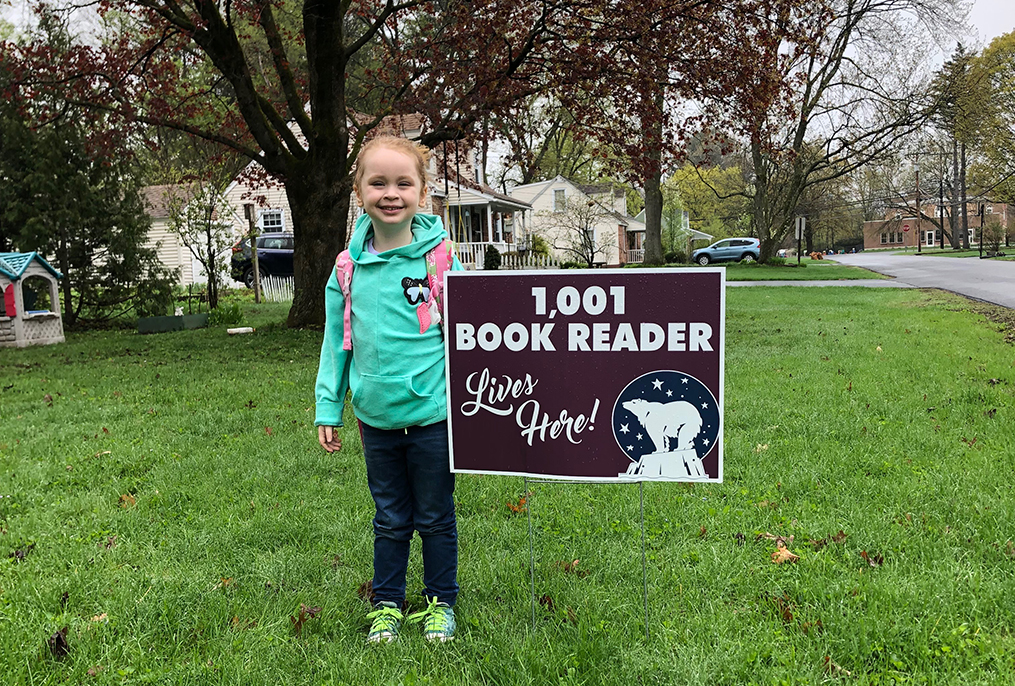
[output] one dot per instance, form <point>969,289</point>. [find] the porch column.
<point>489,223</point>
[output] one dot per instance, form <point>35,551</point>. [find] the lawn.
<point>163,500</point>
<point>809,270</point>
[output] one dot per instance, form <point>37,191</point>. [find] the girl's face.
<point>391,191</point>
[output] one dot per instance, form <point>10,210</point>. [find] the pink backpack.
<point>438,260</point>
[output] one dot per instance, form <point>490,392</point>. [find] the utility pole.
<point>941,200</point>
<point>248,210</point>
<point>919,212</point>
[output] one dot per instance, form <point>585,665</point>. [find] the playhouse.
<point>30,306</point>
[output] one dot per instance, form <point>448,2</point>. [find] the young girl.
<point>395,370</point>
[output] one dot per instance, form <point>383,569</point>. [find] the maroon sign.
<point>604,375</point>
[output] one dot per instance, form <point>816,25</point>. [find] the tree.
<point>75,200</point>
<point>995,69</point>
<point>572,231</point>
<point>235,74</point>
<point>61,199</point>
<point>830,107</point>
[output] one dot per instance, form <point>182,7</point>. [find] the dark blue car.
<point>274,257</point>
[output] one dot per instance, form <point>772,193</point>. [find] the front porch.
<point>479,218</point>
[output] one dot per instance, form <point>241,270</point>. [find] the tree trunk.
<point>654,188</point>
<point>319,204</point>
<point>963,189</point>
<point>654,218</point>
<point>63,256</point>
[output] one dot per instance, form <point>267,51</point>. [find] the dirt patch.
<point>1002,316</point>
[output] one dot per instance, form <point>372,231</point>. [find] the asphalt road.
<point>992,281</point>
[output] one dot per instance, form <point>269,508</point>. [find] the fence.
<point>528,260</point>
<point>277,289</point>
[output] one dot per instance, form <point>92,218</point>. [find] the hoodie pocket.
<point>390,402</point>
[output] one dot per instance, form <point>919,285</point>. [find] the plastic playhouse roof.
<point>14,264</point>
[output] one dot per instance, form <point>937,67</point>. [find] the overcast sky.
<point>991,18</point>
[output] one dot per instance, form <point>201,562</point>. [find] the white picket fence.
<point>277,289</point>
<point>528,260</point>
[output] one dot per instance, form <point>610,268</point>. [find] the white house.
<point>615,233</point>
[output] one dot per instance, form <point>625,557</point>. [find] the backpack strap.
<point>438,260</point>
<point>343,273</point>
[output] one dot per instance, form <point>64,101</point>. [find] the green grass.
<point>884,414</point>
<point>809,270</point>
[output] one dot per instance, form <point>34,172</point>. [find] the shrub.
<point>225,315</point>
<point>571,265</point>
<point>675,257</point>
<point>539,245</point>
<point>491,258</point>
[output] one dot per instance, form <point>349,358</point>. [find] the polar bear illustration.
<point>665,421</point>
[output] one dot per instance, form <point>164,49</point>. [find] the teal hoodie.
<point>396,373</point>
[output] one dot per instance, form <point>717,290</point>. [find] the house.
<point>681,235</point>
<point>161,202</point>
<point>901,229</point>
<point>475,215</point>
<point>30,306</point>
<point>600,208</point>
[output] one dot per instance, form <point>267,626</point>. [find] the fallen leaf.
<point>105,430</point>
<point>250,405</point>
<point>873,559</point>
<point>366,591</point>
<point>839,537</point>
<point>70,468</point>
<point>739,538</point>
<point>94,671</point>
<point>58,645</point>
<point>879,348</point>
<point>833,668</point>
<point>127,500</point>
<point>989,414</point>
<point>784,604</point>
<point>780,541</point>
<point>302,617</point>
<point>224,582</point>
<point>64,599</point>
<point>110,542</point>
<point>240,624</point>
<point>547,602</point>
<point>818,543</point>
<point>782,555</point>
<point>99,618</point>
<point>49,399</point>
<point>572,568</point>
<point>760,448</point>
<point>520,506</point>
<point>703,532</point>
<point>267,430</point>
<point>816,626</point>
<point>104,452</point>
<point>21,553</point>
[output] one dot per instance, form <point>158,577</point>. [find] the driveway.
<point>992,281</point>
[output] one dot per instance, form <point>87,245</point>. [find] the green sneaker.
<point>438,621</point>
<point>387,619</point>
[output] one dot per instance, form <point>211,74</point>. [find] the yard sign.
<point>599,375</point>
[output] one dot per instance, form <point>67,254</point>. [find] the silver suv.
<point>729,250</point>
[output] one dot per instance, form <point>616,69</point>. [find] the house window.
<point>884,238</point>
<point>271,220</point>
<point>558,200</point>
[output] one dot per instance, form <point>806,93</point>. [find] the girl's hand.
<point>327,436</point>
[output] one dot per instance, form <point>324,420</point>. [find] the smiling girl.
<point>392,359</point>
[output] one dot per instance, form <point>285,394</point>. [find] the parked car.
<point>728,250</point>
<point>274,257</point>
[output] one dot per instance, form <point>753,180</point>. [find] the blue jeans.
<point>413,489</point>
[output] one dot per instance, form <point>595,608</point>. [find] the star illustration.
<point>638,437</point>
<point>669,393</point>
<point>624,429</point>
<point>704,406</point>
<point>657,385</point>
<point>705,441</point>
<point>630,447</point>
<point>683,380</point>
